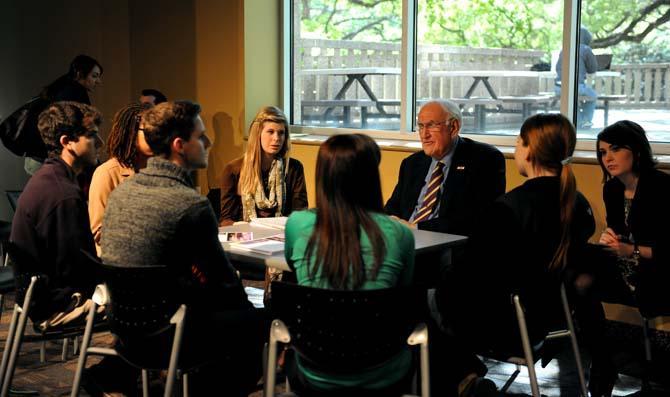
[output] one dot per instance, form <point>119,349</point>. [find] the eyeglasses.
<point>431,126</point>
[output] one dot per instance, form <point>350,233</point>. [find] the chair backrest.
<point>13,197</point>
<point>346,331</point>
<point>142,300</point>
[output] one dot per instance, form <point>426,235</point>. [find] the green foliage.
<point>534,24</point>
<point>519,24</point>
<point>364,20</point>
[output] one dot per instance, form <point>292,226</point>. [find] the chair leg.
<point>85,342</point>
<point>11,334</point>
<point>145,383</point>
<point>184,382</point>
<point>43,352</point>
<point>75,345</point>
<point>647,354</point>
<point>63,355</point>
<point>16,345</point>
<point>14,354</point>
<point>511,379</point>
<point>2,306</point>
<point>527,349</point>
<point>573,341</point>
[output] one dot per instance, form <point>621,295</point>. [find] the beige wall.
<point>38,39</point>
<point>588,177</point>
<point>262,57</point>
<point>189,49</point>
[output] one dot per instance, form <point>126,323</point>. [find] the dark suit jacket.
<point>476,177</point>
<point>649,222</point>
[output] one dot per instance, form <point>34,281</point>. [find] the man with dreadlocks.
<point>128,153</point>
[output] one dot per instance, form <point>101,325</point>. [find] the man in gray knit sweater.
<point>156,218</point>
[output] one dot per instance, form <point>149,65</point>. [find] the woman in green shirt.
<point>348,243</point>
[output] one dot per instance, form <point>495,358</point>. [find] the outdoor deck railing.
<point>644,85</point>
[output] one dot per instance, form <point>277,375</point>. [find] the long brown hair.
<point>250,173</point>
<point>121,142</point>
<point>551,140</point>
<point>347,191</point>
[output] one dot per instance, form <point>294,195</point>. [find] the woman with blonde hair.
<point>265,182</point>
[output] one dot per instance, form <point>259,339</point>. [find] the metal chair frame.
<point>16,337</point>
<point>101,297</point>
<point>529,359</point>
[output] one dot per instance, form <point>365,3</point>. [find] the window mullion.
<point>570,62</point>
<point>408,65</point>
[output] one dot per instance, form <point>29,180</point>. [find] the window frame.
<point>408,53</point>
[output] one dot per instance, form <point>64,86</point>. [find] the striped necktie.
<point>432,193</point>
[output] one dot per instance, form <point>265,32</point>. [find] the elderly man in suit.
<point>445,186</point>
<point>442,189</point>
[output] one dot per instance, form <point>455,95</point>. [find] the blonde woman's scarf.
<point>275,197</point>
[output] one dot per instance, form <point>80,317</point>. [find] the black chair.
<point>13,197</point>
<point>27,286</point>
<point>531,350</point>
<point>344,332</point>
<point>143,313</point>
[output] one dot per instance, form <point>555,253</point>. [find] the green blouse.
<point>397,269</point>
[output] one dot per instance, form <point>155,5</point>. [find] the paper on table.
<point>266,246</point>
<point>278,223</point>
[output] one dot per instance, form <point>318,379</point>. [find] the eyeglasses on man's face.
<point>431,126</point>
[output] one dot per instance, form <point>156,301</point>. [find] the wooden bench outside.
<point>331,104</point>
<point>479,112</point>
<point>605,99</point>
<point>530,103</point>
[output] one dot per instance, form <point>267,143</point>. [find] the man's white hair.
<point>450,108</point>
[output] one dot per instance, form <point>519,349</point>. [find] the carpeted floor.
<point>54,378</point>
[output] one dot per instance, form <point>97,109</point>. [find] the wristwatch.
<point>636,252</point>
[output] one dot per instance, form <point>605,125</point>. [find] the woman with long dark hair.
<point>348,242</point>
<point>636,196</point>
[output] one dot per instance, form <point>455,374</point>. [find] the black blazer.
<point>476,177</point>
<point>649,222</point>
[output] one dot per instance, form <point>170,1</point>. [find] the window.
<point>631,44</point>
<point>359,64</point>
<point>347,63</point>
<point>492,58</point>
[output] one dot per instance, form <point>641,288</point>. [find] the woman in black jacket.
<point>522,244</point>
<point>84,75</point>
<point>636,196</point>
